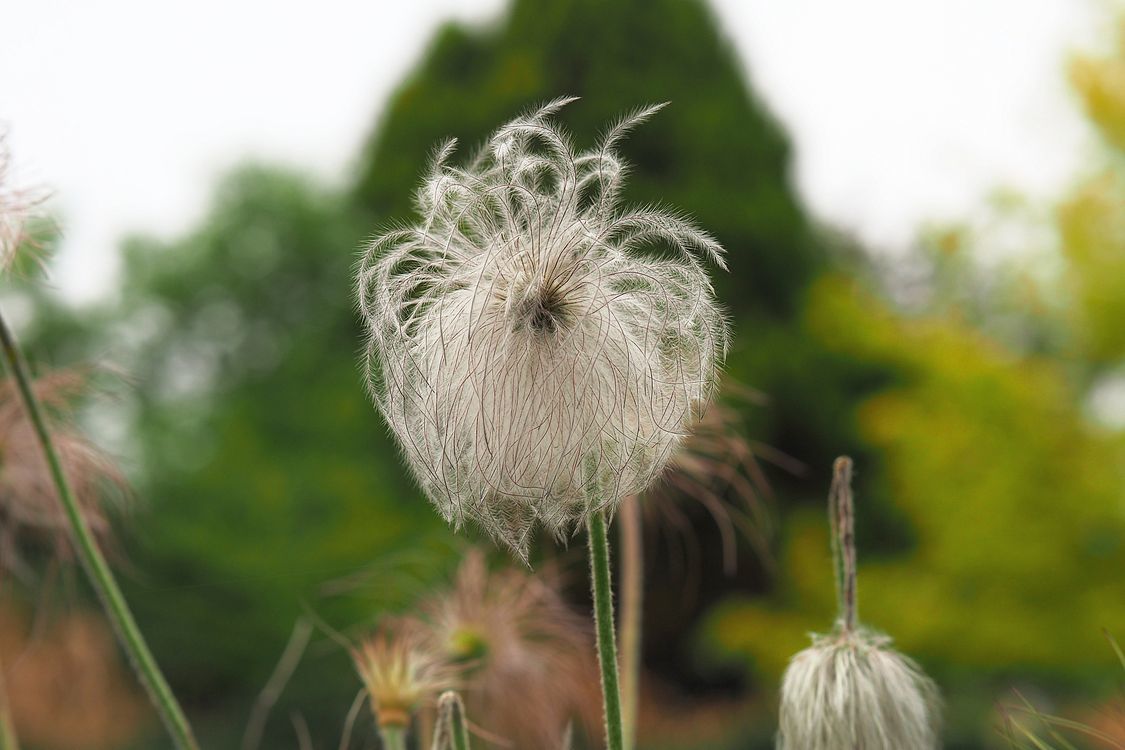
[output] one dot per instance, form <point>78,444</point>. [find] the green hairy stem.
<point>8,738</point>
<point>607,638</point>
<point>393,737</point>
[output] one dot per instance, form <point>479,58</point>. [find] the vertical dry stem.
<point>632,612</point>
<point>842,516</point>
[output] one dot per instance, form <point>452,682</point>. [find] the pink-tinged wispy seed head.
<point>717,467</point>
<point>521,646</point>
<point>30,510</point>
<point>533,358</point>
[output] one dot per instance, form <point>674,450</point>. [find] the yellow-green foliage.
<point>1100,83</point>
<point>1015,500</point>
<point>1092,221</point>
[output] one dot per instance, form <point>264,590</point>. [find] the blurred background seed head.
<point>527,655</point>
<point>31,515</point>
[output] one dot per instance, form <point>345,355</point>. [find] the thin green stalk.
<point>8,738</point>
<point>632,612</point>
<point>603,621</point>
<point>393,737</point>
<point>98,571</point>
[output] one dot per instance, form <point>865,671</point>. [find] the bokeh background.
<point>962,337</point>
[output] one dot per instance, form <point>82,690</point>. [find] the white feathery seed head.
<point>534,357</point>
<point>851,691</point>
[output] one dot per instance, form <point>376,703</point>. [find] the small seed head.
<point>851,691</point>
<point>400,673</point>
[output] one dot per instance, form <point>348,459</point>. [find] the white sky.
<point>901,112</point>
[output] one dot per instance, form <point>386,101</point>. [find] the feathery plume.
<point>520,645</point>
<point>535,363</point>
<point>17,206</point>
<point>718,468</point>
<point>850,690</point>
<point>30,510</point>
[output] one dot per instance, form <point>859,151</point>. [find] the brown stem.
<point>841,501</point>
<point>632,611</point>
<point>286,665</point>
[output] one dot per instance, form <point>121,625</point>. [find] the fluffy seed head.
<point>851,691</point>
<point>533,357</point>
<point>401,672</point>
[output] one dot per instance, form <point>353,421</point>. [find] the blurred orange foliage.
<point>66,683</point>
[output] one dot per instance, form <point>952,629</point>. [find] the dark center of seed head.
<point>545,312</point>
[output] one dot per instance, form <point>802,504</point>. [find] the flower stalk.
<point>392,737</point>
<point>632,612</point>
<point>94,563</point>
<point>8,738</point>
<point>604,626</point>
<point>842,517</point>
